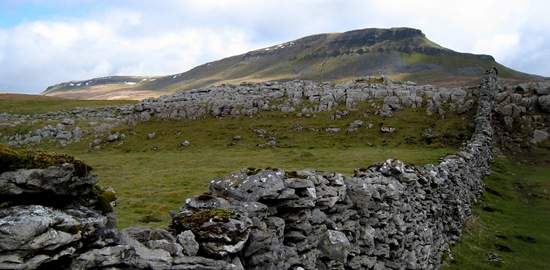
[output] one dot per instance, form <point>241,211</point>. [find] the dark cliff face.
<point>372,36</point>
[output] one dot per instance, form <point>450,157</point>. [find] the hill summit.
<point>401,53</point>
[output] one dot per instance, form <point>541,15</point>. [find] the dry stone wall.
<point>387,216</point>
<point>302,98</point>
<point>520,110</point>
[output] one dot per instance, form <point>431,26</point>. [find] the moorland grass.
<point>512,219</point>
<point>30,104</point>
<point>149,182</point>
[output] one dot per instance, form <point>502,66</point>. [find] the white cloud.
<point>141,37</point>
<point>102,68</point>
<point>58,35</point>
<point>500,46</point>
<point>47,52</point>
<point>3,40</point>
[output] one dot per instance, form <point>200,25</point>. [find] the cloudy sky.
<point>45,42</point>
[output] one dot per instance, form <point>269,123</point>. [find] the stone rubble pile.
<point>299,97</point>
<point>71,126</point>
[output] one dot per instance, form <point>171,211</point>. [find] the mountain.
<point>400,53</point>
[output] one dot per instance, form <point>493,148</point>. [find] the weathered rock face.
<point>49,215</point>
<point>387,216</point>
<point>60,181</point>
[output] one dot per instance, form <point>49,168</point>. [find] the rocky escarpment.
<point>387,216</point>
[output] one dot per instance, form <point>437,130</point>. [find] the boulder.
<point>60,180</point>
<point>187,240</point>
<point>539,136</point>
<point>247,186</point>
<point>29,232</point>
<point>544,103</point>
<point>334,245</point>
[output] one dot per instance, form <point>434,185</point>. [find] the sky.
<point>45,42</point>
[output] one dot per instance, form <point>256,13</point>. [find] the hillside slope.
<point>401,53</point>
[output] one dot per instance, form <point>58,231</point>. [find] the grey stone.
<point>194,262</point>
<point>145,257</point>
<point>335,245</point>
<point>265,185</point>
<point>543,88</point>
<point>187,240</point>
<point>68,121</point>
<point>28,231</point>
<point>113,137</point>
<point>544,102</point>
<point>60,180</point>
<point>539,136</point>
<point>387,129</point>
<point>111,256</point>
<point>356,124</point>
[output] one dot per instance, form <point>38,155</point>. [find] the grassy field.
<point>512,218</point>
<point>35,104</point>
<point>149,183</point>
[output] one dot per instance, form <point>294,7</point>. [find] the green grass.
<point>512,219</point>
<point>31,105</point>
<point>149,183</point>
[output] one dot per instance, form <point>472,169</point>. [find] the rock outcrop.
<point>387,216</point>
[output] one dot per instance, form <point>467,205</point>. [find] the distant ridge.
<point>401,53</point>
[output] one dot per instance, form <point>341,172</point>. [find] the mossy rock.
<point>38,159</point>
<point>200,217</point>
<point>104,198</point>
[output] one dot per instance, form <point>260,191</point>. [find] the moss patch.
<point>104,198</point>
<point>200,217</point>
<point>38,159</point>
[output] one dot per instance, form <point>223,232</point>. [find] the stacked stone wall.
<point>387,216</point>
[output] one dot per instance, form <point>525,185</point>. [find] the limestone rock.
<point>27,231</point>
<point>60,180</point>
<point>544,102</point>
<point>254,187</point>
<point>335,245</point>
<point>187,240</point>
<point>539,136</point>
